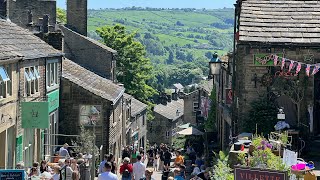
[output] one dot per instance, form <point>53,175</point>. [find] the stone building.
<point>261,33</point>
<point>138,127</point>
<point>88,98</point>
<point>85,51</point>
<point>168,116</point>
<point>32,87</point>
<point>192,102</point>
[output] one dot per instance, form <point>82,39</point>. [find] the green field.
<point>188,34</point>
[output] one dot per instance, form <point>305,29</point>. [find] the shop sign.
<point>53,100</point>
<point>12,174</point>
<point>35,115</point>
<point>244,173</point>
<point>265,59</point>
<point>19,149</point>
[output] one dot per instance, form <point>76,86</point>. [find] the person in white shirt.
<point>107,175</point>
<point>139,169</point>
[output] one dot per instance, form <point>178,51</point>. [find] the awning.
<point>184,126</point>
<point>190,131</point>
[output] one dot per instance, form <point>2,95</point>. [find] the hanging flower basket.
<point>266,80</point>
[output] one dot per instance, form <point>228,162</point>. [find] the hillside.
<point>179,42</point>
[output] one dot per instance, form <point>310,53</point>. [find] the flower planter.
<point>251,149</point>
<point>276,152</point>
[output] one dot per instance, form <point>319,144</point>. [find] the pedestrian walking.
<point>126,169</point>
<point>177,174</point>
<point>111,159</point>
<point>66,170</point>
<point>155,163</point>
<point>161,158</point>
<point>56,173</point>
<point>107,175</point>
<point>63,152</point>
<point>167,159</point>
<point>139,169</point>
<point>148,175</point>
<point>179,158</point>
<point>101,166</point>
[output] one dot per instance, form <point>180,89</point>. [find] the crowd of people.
<point>140,164</point>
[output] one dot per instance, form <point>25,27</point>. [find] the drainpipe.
<point>233,126</point>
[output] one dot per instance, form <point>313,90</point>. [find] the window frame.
<point>31,80</point>
<point>6,82</point>
<point>52,74</point>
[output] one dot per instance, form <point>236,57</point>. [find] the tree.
<point>262,110</point>
<point>210,124</point>
<point>85,142</point>
<point>133,68</point>
<point>170,58</point>
<point>61,16</point>
<point>208,54</point>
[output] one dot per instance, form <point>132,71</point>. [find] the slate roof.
<point>169,111</point>
<point>280,21</point>
<point>90,81</point>
<point>137,106</point>
<point>16,41</point>
<point>178,86</point>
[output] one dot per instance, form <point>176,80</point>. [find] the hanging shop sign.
<point>35,115</point>
<point>244,173</point>
<point>12,174</point>
<point>229,96</point>
<point>265,59</point>
<point>53,100</point>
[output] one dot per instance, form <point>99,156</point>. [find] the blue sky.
<point>208,4</point>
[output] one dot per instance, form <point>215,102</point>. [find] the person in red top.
<point>126,169</point>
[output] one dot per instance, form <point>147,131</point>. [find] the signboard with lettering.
<point>53,100</point>
<point>13,174</point>
<point>35,115</point>
<point>265,59</point>
<point>244,173</point>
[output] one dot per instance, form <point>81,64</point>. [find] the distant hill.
<point>173,37</point>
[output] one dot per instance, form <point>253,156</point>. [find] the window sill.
<point>53,87</point>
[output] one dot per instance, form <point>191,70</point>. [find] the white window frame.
<point>52,74</point>
<point>31,80</point>
<point>5,81</point>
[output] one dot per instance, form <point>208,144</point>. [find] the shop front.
<point>7,134</point>
<point>39,122</point>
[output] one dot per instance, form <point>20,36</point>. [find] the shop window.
<point>52,74</point>
<point>5,81</point>
<point>31,76</point>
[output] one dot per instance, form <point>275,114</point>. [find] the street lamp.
<point>215,65</point>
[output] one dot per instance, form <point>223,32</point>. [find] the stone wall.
<point>156,131</point>
<point>189,114</point>
<point>245,90</point>
<point>107,133</point>
<point>18,11</point>
<point>77,16</point>
<point>89,53</point>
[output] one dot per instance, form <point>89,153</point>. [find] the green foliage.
<point>222,171</point>
<point>133,67</point>
<point>172,37</point>
<point>262,110</point>
<point>61,16</point>
<point>84,142</point>
<point>210,124</point>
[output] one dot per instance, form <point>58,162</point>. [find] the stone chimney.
<point>169,98</point>
<point>175,96</point>
<point>77,16</point>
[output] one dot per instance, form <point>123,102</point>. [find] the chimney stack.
<point>77,16</point>
<point>45,24</point>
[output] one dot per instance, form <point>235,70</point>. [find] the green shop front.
<point>39,121</point>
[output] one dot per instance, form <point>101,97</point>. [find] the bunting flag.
<point>282,63</point>
<point>298,69</point>
<point>315,70</point>
<point>275,60</point>
<point>291,65</point>
<point>308,69</point>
